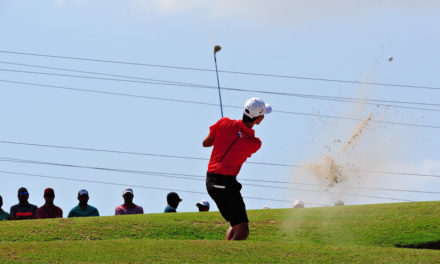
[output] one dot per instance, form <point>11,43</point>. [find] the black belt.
<point>211,174</point>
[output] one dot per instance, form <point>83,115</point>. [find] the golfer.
<point>234,141</point>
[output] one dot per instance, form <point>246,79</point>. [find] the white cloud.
<point>279,12</point>
<point>275,11</point>
<point>58,3</point>
<point>173,6</point>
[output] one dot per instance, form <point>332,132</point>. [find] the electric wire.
<point>94,73</point>
<point>142,186</point>
<point>201,178</point>
<point>317,97</point>
<point>194,158</point>
<point>191,176</point>
<point>213,104</point>
<point>204,159</point>
<point>161,175</point>
<point>172,175</point>
<point>309,96</point>
<point>224,71</point>
<point>203,86</point>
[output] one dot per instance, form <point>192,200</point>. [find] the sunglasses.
<point>23,193</point>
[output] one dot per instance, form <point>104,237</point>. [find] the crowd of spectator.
<point>25,210</point>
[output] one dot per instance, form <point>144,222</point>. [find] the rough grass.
<point>350,234</point>
<point>211,251</point>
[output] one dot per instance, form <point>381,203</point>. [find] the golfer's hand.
<point>208,141</point>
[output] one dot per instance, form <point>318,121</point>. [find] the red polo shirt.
<point>51,211</point>
<point>234,142</point>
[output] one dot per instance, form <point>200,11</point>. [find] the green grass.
<point>349,234</point>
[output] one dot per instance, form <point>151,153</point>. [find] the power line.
<point>345,187</point>
<point>340,193</point>
<point>188,157</point>
<point>108,61</point>
<point>202,86</point>
<point>106,79</point>
<point>165,175</point>
<point>225,71</point>
<point>172,176</point>
<point>356,119</point>
<point>176,175</point>
<point>111,93</point>
<point>205,159</point>
<point>191,176</point>
<point>95,73</point>
<point>213,104</point>
<point>195,158</point>
<point>198,178</point>
<point>130,153</point>
<point>140,186</point>
<point>393,190</point>
<point>308,96</point>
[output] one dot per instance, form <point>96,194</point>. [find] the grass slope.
<point>350,234</point>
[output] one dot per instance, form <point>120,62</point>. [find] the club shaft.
<point>218,84</point>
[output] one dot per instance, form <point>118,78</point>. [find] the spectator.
<point>3,214</point>
<point>339,203</point>
<point>173,201</point>
<point>203,206</point>
<point>49,210</point>
<point>83,209</point>
<point>128,207</point>
<point>23,210</point>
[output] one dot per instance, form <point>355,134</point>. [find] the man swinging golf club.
<point>234,141</point>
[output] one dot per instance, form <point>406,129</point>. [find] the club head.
<point>217,48</point>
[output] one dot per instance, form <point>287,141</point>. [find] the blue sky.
<point>337,40</point>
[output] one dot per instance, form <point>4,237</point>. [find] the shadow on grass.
<point>428,245</point>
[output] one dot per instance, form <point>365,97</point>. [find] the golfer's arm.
<point>208,141</point>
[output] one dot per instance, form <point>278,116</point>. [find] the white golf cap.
<point>256,107</point>
<point>127,190</point>
<point>298,204</point>
<point>203,203</point>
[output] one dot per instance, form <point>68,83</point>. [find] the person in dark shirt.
<point>173,201</point>
<point>23,210</point>
<point>3,215</point>
<point>83,209</point>
<point>49,210</point>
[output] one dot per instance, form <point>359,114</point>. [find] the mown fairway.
<point>351,234</point>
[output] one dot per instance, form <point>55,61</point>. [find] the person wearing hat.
<point>234,141</point>
<point>128,207</point>
<point>3,215</point>
<point>23,210</point>
<point>173,201</point>
<point>49,210</point>
<point>203,206</point>
<point>83,209</point>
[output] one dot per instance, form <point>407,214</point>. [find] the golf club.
<point>217,48</point>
